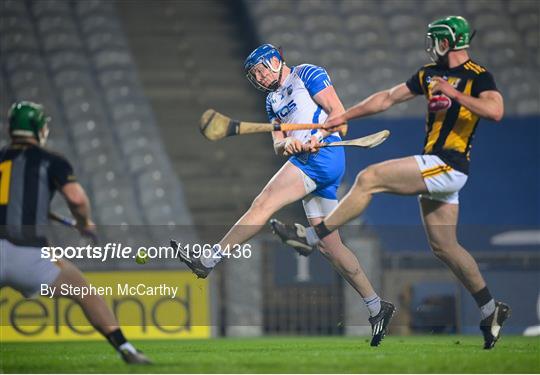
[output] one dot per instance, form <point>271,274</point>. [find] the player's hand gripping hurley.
<point>215,126</point>
<point>72,223</point>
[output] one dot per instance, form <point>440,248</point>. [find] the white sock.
<point>373,303</point>
<point>487,309</point>
<point>215,257</point>
<point>311,236</point>
<point>127,346</point>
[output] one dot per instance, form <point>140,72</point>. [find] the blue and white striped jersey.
<point>293,101</point>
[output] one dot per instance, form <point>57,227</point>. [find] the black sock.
<point>321,230</point>
<point>482,297</point>
<point>116,338</point>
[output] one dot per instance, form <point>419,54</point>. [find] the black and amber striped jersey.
<point>450,132</point>
<point>29,177</point>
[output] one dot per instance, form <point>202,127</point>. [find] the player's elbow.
<point>497,118</point>
<point>78,201</point>
<point>75,195</point>
<point>498,114</point>
<point>494,106</point>
<point>495,115</point>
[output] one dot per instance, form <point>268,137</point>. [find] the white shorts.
<point>23,269</point>
<point>314,205</point>
<point>442,181</point>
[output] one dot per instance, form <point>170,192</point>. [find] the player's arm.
<point>330,102</point>
<point>279,138</point>
<point>79,204</point>
<point>279,142</point>
<point>283,145</point>
<point>320,88</point>
<point>378,102</point>
<point>287,146</point>
<point>64,179</point>
<point>489,104</point>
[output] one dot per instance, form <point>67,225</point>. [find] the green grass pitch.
<point>417,354</point>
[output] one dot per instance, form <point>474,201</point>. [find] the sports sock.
<point>214,258</point>
<point>485,302</point>
<point>311,236</point>
<point>118,341</point>
<point>373,303</point>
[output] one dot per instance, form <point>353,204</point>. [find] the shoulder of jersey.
<point>474,67</point>
<point>430,65</point>
<point>53,154</point>
<point>304,69</point>
<point>303,66</point>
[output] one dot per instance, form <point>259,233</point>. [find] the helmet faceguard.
<point>454,29</point>
<point>434,48</point>
<point>264,55</point>
<point>28,119</point>
<point>44,135</point>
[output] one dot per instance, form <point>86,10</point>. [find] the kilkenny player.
<point>459,92</point>
<point>29,177</point>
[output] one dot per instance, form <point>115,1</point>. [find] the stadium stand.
<point>379,44</point>
<point>367,46</point>
<point>73,58</point>
<point>190,57</point>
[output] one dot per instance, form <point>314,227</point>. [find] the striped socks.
<point>373,303</point>
<point>213,259</point>
<point>485,302</point>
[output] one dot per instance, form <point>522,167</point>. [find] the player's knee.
<point>367,178</point>
<point>262,203</point>
<point>440,248</point>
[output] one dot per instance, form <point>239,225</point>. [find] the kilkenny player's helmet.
<point>263,55</point>
<point>28,119</point>
<point>455,29</point>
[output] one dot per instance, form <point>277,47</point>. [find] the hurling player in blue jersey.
<point>300,94</point>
